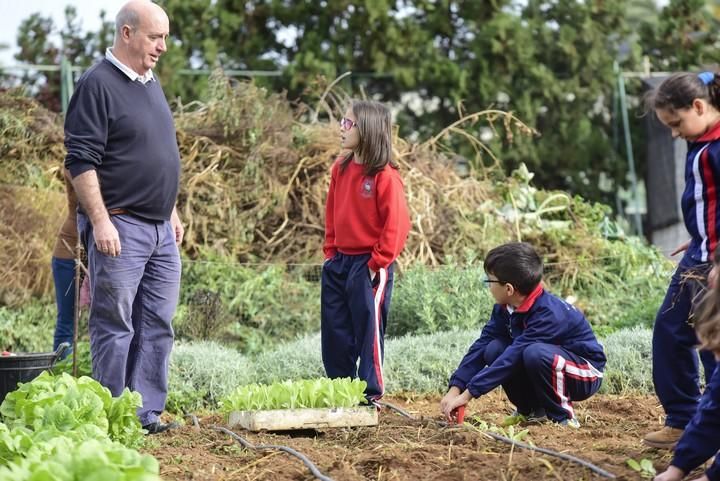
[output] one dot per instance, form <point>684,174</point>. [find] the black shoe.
<point>158,427</point>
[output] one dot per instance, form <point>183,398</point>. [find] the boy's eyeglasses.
<point>490,281</point>
<point>347,124</point>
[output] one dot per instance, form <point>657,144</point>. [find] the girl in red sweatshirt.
<point>366,226</point>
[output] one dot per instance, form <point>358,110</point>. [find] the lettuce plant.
<point>306,393</point>
<point>60,404</point>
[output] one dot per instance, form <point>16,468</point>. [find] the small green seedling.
<point>644,467</point>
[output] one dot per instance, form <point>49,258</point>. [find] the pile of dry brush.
<point>255,170</point>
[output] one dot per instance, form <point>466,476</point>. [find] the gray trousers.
<point>134,297</point>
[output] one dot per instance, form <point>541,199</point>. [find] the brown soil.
<point>402,449</point>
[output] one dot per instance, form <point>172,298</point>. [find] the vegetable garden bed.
<point>402,449</point>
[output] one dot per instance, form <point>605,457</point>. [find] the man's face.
<point>146,43</point>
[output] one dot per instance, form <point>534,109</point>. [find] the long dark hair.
<point>679,90</point>
<point>375,145</point>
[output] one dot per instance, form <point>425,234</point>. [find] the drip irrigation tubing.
<point>247,444</point>
<point>498,437</point>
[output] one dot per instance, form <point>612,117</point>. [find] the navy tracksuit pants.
<point>675,361</point>
<point>550,377</point>
<point>353,315</point>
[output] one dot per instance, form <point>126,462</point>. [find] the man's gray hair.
<point>126,16</point>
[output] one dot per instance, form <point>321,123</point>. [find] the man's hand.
<point>177,226</point>
<point>670,474</point>
<point>107,239</point>
<point>456,402</point>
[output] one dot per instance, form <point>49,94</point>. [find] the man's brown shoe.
<point>666,438</point>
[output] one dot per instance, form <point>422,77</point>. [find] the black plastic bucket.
<point>26,367</point>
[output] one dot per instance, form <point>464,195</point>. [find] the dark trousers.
<point>353,316</point>
<point>64,278</point>
<point>133,301</point>
<point>675,359</point>
<point>550,377</point>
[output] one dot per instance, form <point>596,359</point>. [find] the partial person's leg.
<point>153,311</point>
<point>675,362</point>
<point>64,278</point>
<point>113,284</point>
<point>369,305</point>
<point>337,337</point>
<point>559,377</point>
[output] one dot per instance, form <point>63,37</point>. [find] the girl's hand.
<point>671,474</point>
<point>681,248</point>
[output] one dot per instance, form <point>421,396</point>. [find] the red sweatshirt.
<point>366,214</point>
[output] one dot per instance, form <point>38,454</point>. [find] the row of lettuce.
<point>63,429</point>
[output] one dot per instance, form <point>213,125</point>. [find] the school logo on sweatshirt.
<point>366,190</point>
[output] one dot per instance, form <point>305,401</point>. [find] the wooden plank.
<point>288,419</point>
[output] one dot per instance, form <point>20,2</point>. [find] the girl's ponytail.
<point>713,86</point>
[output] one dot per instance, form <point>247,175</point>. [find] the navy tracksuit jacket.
<point>675,364</point>
<point>544,354</point>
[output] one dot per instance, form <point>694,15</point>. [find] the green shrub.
<point>629,367</point>
<point>29,328</point>
<point>300,359</point>
<point>201,373</point>
<point>427,300</point>
<point>248,306</point>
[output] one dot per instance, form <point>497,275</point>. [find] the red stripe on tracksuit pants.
<point>550,377</point>
<point>353,315</point>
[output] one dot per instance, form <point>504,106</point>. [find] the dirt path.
<point>402,450</point>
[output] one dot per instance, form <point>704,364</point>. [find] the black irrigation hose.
<point>247,444</point>
<point>504,439</point>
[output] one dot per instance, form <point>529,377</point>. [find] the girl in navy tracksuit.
<point>366,226</point>
<point>539,348</point>
<point>689,104</point>
<point>701,438</point>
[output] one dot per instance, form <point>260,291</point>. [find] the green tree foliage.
<point>549,61</point>
<point>37,46</point>
<point>684,38</point>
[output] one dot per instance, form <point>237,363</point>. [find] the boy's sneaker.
<point>666,438</point>
<point>571,423</point>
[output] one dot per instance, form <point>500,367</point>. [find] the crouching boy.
<point>539,348</point>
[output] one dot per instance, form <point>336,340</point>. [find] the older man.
<point>124,160</point>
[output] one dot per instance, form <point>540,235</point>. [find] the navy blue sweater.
<point>544,318</point>
<point>124,130</point>
<point>701,438</point>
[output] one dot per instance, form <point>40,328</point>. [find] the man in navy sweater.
<point>124,161</point>
<point>539,348</point>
